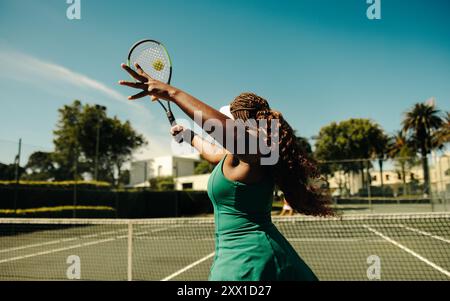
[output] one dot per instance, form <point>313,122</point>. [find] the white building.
<point>194,182</point>
<point>351,183</point>
<point>167,166</point>
<point>345,183</point>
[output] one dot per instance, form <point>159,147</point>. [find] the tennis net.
<point>351,247</point>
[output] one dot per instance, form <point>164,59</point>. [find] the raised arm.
<point>220,124</point>
<point>212,153</point>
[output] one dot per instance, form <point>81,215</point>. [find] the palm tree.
<point>400,149</point>
<point>379,149</point>
<point>420,125</point>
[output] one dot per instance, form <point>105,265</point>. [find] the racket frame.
<point>167,109</point>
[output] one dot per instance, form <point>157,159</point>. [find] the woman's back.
<point>248,246</point>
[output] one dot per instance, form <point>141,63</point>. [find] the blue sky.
<point>317,61</point>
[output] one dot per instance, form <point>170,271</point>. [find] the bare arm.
<point>212,153</point>
<point>220,124</point>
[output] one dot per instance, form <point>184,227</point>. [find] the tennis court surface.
<point>409,247</point>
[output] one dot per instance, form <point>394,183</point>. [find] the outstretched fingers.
<point>134,74</point>
<point>134,85</point>
<point>141,71</point>
<point>139,95</point>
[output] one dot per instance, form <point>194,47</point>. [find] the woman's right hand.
<point>149,86</point>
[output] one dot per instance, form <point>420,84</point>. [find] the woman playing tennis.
<point>248,245</point>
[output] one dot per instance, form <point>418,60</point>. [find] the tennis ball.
<point>158,65</point>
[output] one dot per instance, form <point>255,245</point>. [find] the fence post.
<point>130,250</point>
<point>17,177</point>
<point>428,187</point>
<point>369,192</point>
<point>444,184</point>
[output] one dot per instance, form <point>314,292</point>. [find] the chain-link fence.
<point>356,185</point>
<point>23,161</point>
<point>409,182</point>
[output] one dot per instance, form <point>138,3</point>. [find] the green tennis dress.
<point>248,245</point>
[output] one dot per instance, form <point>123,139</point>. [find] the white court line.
<point>142,236</point>
<point>426,234</point>
<point>333,239</point>
<point>38,245</point>
<point>421,258</point>
<point>52,242</point>
<point>65,248</point>
<point>57,250</point>
<point>188,267</point>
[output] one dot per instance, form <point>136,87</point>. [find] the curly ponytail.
<point>295,171</point>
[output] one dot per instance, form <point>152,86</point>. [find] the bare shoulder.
<point>247,171</point>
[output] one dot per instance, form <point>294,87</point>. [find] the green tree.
<point>327,149</point>
<point>379,151</point>
<point>203,167</point>
<point>124,178</point>
<point>124,140</point>
<point>355,140</point>
<point>41,166</point>
<point>420,125</point>
<point>66,141</point>
<point>8,172</point>
<point>76,142</point>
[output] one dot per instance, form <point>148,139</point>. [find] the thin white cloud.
<point>22,67</point>
<point>59,80</point>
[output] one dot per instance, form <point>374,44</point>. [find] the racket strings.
<point>153,60</point>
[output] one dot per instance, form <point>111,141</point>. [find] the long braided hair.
<point>295,171</point>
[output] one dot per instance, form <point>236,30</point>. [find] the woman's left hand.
<point>150,86</point>
<point>176,129</point>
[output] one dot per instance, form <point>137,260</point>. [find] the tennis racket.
<point>154,59</point>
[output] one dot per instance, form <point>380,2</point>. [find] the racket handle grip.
<point>171,118</point>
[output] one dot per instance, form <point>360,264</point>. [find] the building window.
<point>399,176</point>
<point>412,176</point>
<point>374,178</point>
<point>447,172</point>
<point>187,186</point>
<point>387,177</point>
